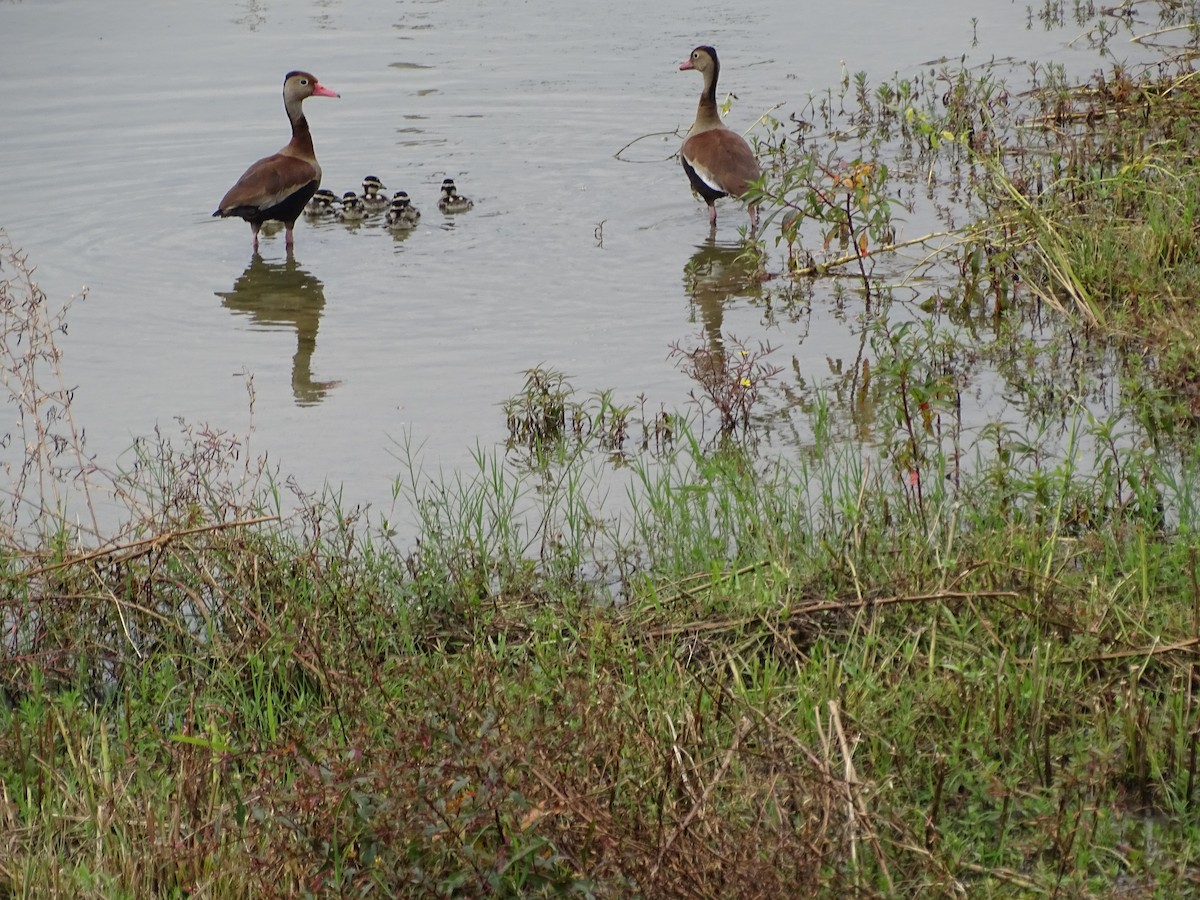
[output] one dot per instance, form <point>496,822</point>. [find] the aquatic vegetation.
<point>730,380</point>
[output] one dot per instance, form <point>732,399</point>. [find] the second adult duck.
<point>718,161</point>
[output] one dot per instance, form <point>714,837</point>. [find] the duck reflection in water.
<point>283,295</point>
<point>715,274</point>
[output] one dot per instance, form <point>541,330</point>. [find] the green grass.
<point>811,682</point>
<point>1109,229</point>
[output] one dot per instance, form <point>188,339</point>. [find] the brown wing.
<point>268,182</point>
<point>722,159</point>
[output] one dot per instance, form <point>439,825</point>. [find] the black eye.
<point>304,81</point>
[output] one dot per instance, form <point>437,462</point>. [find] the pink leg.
<point>712,215</point>
<point>254,229</point>
<point>287,238</point>
<point>753,220</point>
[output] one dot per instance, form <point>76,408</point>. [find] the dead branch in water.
<point>674,133</point>
<point>817,270</point>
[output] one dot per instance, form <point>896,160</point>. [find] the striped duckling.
<point>402,214</point>
<point>352,208</point>
<point>451,200</point>
<point>323,203</point>
<point>373,202</point>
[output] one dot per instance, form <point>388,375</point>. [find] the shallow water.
<point>124,123</point>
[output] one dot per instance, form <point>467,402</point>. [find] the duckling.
<point>373,201</point>
<point>451,201</point>
<point>322,204</point>
<point>402,213</point>
<point>352,208</point>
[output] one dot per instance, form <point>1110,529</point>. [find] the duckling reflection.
<point>715,274</point>
<point>283,295</point>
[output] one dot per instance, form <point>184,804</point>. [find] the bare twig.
<point>617,155</point>
<point>854,799</point>
<point>820,606</point>
<point>136,548</point>
<point>743,729</point>
<point>1158,650</point>
<point>826,268</point>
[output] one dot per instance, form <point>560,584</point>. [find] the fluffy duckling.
<point>451,200</point>
<point>373,201</point>
<point>352,208</point>
<point>402,213</point>
<point>322,204</point>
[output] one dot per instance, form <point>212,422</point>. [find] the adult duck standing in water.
<point>277,187</point>
<point>718,161</point>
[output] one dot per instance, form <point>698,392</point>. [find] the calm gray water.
<point>124,123</point>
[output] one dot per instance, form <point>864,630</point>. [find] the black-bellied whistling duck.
<point>323,203</point>
<point>352,208</point>
<point>718,161</point>
<point>276,187</point>
<point>451,200</point>
<point>402,213</point>
<point>373,201</point>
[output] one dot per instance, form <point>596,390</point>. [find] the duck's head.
<point>703,60</point>
<point>299,86</point>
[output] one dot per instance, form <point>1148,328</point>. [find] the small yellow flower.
<point>745,382</point>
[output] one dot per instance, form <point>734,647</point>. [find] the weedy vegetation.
<point>937,650</point>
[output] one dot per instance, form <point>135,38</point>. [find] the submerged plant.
<point>545,416</point>
<point>731,380</point>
